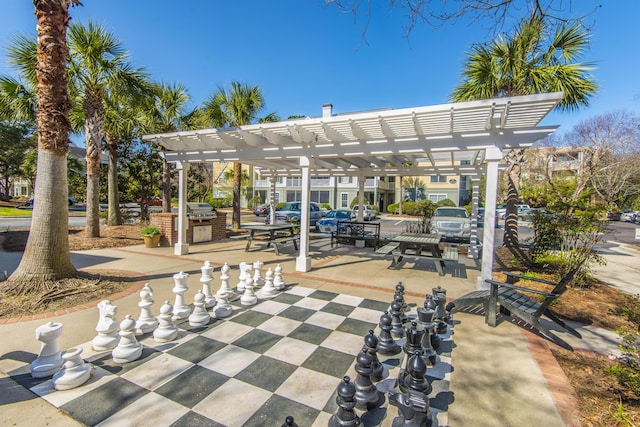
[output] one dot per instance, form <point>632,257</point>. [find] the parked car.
<point>329,223</point>
<point>152,201</point>
<point>614,216</point>
<point>453,224</point>
<point>368,213</point>
<point>290,212</point>
<point>628,215</point>
<point>529,214</point>
<point>261,210</point>
<point>501,210</point>
<point>71,201</point>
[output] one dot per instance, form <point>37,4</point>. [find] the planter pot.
<point>152,241</point>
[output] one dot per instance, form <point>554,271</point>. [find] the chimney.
<point>327,110</point>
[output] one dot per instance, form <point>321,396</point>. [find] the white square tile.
<point>322,420</point>
<point>157,371</point>
<point>348,300</point>
<point>325,320</point>
<point>301,291</point>
<point>344,342</point>
<point>311,303</point>
<point>270,307</point>
<point>366,315</point>
<point>291,351</point>
<point>230,360</point>
<point>183,337</point>
<point>279,325</point>
<point>150,410</point>
<point>98,377</point>
<point>233,403</point>
<point>227,332</point>
<point>308,387</point>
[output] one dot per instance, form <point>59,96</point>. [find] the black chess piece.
<point>413,409</point>
<point>386,344</point>
<point>400,288</point>
<point>345,416</point>
<point>414,339</point>
<point>440,296</point>
<point>404,308</point>
<point>289,422</point>
<point>429,302</point>
<point>371,344</point>
<point>425,318</point>
<point>415,375</point>
<point>367,396</point>
<point>397,330</point>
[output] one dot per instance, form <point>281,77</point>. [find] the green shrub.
<point>149,231</point>
<point>393,208</point>
<point>446,203</point>
<point>326,205</point>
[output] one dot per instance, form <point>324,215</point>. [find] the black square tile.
<point>339,309</point>
<point>99,404</point>
<point>323,295</point>
<point>251,318</point>
<point>257,340</point>
<point>266,373</point>
<point>23,377</point>
<point>330,362</point>
<point>356,327</point>
<point>375,305</point>
<point>277,408</point>
<point>296,313</point>
<point>192,419</point>
<point>310,333</point>
<point>191,386</point>
<point>196,349</point>
<point>108,364</point>
<point>286,298</point>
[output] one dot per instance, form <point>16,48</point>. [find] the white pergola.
<point>467,139</point>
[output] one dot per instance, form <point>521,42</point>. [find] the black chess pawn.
<point>289,422</point>
<point>367,396</point>
<point>386,344</point>
<point>413,409</point>
<point>415,376</point>
<point>404,308</point>
<point>397,330</point>
<point>371,344</point>
<point>425,318</point>
<point>400,288</point>
<point>345,416</point>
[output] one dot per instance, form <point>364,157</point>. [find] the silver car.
<point>453,224</point>
<point>291,212</point>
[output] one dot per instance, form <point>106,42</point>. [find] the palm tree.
<point>533,60</point>
<point>46,256</point>
<point>98,66</point>
<point>238,106</point>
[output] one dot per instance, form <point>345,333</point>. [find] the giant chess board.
<point>282,356</point>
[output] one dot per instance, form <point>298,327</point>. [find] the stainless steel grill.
<point>200,211</point>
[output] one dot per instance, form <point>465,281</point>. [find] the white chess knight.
<point>225,290</point>
<point>128,349</point>
<point>206,279</point>
<point>181,310</point>
<point>107,327</point>
<point>75,371</point>
<point>199,316</point>
<point>146,322</point>
<point>49,360</point>
<point>166,330</point>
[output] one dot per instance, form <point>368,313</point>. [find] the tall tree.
<point>532,60</point>
<point>99,65</point>
<point>46,256</point>
<point>237,106</point>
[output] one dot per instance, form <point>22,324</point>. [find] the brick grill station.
<point>168,225</point>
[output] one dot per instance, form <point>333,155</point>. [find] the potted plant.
<point>151,235</point>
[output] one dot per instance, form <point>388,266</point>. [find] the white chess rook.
<point>49,360</point>
<point>181,310</point>
<point>258,281</point>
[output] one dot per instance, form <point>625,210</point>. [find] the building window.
<point>320,196</point>
<point>345,180</point>
<point>294,181</point>
<point>294,195</point>
<point>438,179</point>
<point>276,198</point>
<point>391,179</point>
<point>344,200</point>
<point>435,198</point>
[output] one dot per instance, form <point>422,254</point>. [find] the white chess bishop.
<point>146,322</point>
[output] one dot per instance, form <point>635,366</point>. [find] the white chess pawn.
<point>249,297</point>
<point>269,290</point>
<point>75,371</point>
<point>146,322</point>
<point>181,310</point>
<point>107,327</point>
<point>258,281</point>
<point>277,278</point>
<point>242,277</point>
<point>200,316</point>
<point>128,349</point>
<point>166,330</point>
<point>49,360</point>
<point>206,279</point>
<point>223,308</point>
<point>225,290</point>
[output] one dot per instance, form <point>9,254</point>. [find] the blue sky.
<point>303,54</point>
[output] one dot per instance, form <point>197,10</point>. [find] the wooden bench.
<point>281,240</point>
<point>354,231</point>
<point>391,248</point>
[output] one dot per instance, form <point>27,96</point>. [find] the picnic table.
<point>272,234</point>
<point>422,245</point>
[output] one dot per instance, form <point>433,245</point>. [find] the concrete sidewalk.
<point>498,374</point>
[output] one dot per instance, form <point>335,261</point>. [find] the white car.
<point>368,213</point>
<point>453,224</point>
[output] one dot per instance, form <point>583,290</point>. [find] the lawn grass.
<point>14,212</point>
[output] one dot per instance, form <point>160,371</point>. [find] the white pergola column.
<point>182,247</point>
<point>475,192</point>
<point>303,262</point>
<point>272,199</point>
<point>493,156</point>
<point>361,180</point>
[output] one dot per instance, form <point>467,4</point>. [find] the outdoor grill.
<point>200,211</point>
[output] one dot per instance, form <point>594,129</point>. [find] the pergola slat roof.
<point>449,138</point>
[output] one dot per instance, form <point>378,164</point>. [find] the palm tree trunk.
<point>113,196</point>
<point>94,123</point>
<point>514,158</point>
<point>237,178</point>
<point>46,256</point>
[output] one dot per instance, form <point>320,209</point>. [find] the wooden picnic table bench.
<point>419,245</point>
<point>355,231</point>
<point>271,234</point>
